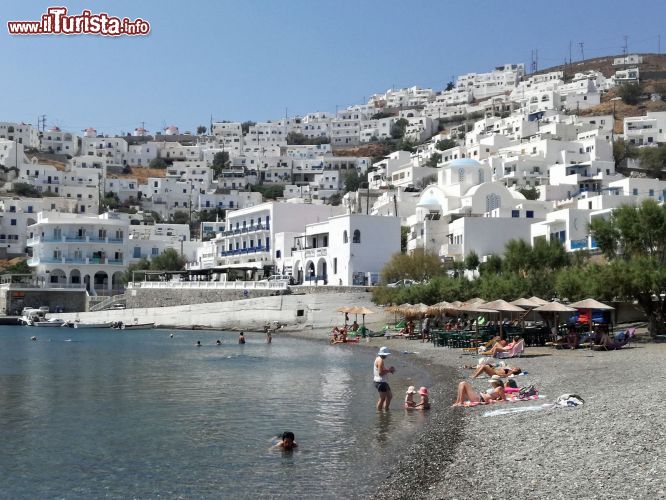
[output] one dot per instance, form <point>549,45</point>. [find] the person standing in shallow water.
<point>380,371</point>
<point>241,338</point>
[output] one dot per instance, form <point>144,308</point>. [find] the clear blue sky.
<point>251,59</point>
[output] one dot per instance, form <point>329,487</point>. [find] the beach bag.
<point>527,392</point>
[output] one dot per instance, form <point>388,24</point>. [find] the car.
<point>403,282</point>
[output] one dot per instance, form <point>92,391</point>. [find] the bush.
<point>157,163</point>
<point>27,190</point>
<point>630,93</point>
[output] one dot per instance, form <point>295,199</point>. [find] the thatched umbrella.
<point>537,300</point>
<point>345,310</point>
<point>526,304</point>
<point>419,309</point>
<point>555,308</point>
<point>590,304</point>
<point>438,308</point>
<point>502,306</point>
<point>361,310</point>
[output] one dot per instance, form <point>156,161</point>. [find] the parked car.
<point>403,282</point>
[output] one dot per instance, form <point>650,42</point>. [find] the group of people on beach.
<point>499,388</point>
<point>380,372</point>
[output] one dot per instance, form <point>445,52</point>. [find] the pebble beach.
<point>613,446</point>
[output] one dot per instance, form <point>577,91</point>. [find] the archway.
<point>297,272</point>
<point>75,277</point>
<point>58,277</point>
<point>101,281</point>
<point>117,284</point>
<point>310,271</point>
<point>87,285</point>
<point>321,270</point>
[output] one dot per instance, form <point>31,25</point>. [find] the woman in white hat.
<point>380,372</point>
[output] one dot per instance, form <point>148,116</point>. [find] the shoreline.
<point>613,446</point>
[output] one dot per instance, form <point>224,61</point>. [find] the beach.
<point>613,446</point>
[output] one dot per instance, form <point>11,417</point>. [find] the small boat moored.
<point>119,325</point>
<point>53,322</point>
<point>78,324</point>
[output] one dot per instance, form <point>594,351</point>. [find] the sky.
<point>263,59</point>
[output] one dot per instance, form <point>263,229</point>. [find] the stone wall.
<point>12,301</point>
<point>161,297</point>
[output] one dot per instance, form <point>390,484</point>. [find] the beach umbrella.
<point>502,306</point>
<point>439,307</point>
<point>555,308</point>
<point>589,305</point>
<point>475,300</point>
<point>525,303</point>
<point>344,310</point>
<point>361,310</point>
<point>537,300</point>
<point>419,309</point>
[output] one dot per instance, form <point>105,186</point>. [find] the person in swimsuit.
<point>241,338</point>
<point>409,398</point>
<point>502,371</point>
<point>288,442</point>
<point>501,346</point>
<point>467,393</point>
<point>379,376</point>
<point>424,404</point>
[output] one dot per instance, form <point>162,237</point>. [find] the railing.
<point>73,239</point>
<point>75,260</point>
<point>107,302</point>
<point>217,285</point>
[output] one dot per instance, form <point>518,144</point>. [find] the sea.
<point>93,413</point>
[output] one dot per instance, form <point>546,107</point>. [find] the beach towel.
<point>512,399</point>
<point>506,411</point>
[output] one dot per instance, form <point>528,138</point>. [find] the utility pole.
<point>41,121</point>
<point>658,44</point>
<point>570,43</point>
<point>582,50</point>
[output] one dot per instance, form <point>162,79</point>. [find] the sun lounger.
<point>515,352</point>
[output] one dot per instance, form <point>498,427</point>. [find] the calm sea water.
<point>97,413</point>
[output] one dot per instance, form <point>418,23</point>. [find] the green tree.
<point>110,202</point>
<point>530,193</point>
<point>418,265</point>
<point>398,128</point>
<point>220,162</point>
<point>472,261</point>
<point>158,163</point>
<point>382,114</point>
<point>404,233</point>
<point>169,260</point>
<point>180,217</point>
<point>449,86</point>
<point>492,265</point>
<point>654,159</point>
<point>201,130</point>
<point>133,271</point>
<point>335,199</point>
<point>634,239</point>
<point>352,181</point>
<point>622,151</point>
<point>26,190</point>
<point>269,191</point>
<point>630,93</point>
<point>445,144</point>
<point>434,160</point>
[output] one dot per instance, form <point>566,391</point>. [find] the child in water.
<point>424,404</point>
<point>409,398</point>
<point>288,442</point>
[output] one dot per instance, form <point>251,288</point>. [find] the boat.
<point>53,322</point>
<point>30,315</point>
<point>119,325</point>
<point>78,324</point>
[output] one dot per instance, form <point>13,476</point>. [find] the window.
<point>357,236</point>
<point>515,213</point>
<point>137,253</point>
<point>335,265</point>
<point>278,254</point>
<point>529,214</point>
<point>345,238</point>
<point>154,251</point>
<point>461,175</point>
<point>13,222</point>
<point>651,193</point>
<point>635,192</point>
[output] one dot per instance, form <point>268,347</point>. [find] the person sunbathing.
<point>500,371</point>
<point>499,347</point>
<point>467,393</point>
<point>605,343</point>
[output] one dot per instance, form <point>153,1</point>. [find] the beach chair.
<point>515,352</point>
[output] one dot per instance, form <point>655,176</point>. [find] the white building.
<point>342,250</point>
<point>644,130</point>
<point>21,133</point>
<point>55,140</point>
<point>247,244</point>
